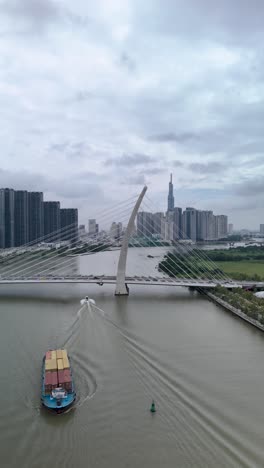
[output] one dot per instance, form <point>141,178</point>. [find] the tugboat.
<point>58,392</point>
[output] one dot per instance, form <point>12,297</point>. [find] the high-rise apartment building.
<point>35,216</point>
<point>205,225</point>
<point>21,218</point>
<point>261,229</point>
<point>177,226</point>
<point>92,227</point>
<point>158,220</point>
<point>116,230</point>
<point>169,230</point>
<point>7,218</point>
<point>230,229</point>
<point>221,222</point>
<point>190,224</point>
<point>145,225</point>
<point>69,224</point>
<point>52,221</point>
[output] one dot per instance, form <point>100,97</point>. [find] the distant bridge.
<point>45,267</point>
<point>130,280</point>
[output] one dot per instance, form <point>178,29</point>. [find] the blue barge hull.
<point>57,405</point>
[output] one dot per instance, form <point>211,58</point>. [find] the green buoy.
<point>153,407</point>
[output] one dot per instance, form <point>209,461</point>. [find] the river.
<point>203,367</point>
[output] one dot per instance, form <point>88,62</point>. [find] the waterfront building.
<point>190,224</point>
<point>145,225</point>
<point>230,229</point>
<point>21,218</point>
<point>52,222</point>
<point>177,223</point>
<point>116,230</point>
<point>7,218</point>
<point>158,221</point>
<point>92,227</point>
<point>35,216</point>
<point>69,224</point>
<point>205,225</point>
<point>261,229</point>
<point>169,230</point>
<point>221,226</point>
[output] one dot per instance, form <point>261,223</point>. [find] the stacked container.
<point>57,371</point>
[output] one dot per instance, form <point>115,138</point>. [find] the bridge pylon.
<point>121,286</point>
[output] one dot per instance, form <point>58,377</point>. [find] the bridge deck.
<point>144,281</point>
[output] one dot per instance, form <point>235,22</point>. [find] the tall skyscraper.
<point>7,218</point>
<point>231,229</point>
<point>190,223</point>
<point>145,224</point>
<point>205,225</point>
<point>51,221</point>
<point>116,230</point>
<point>261,229</point>
<point>177,220</point>
<point>35,216</point>
<point>158,220</point>
<point>221,226</point>
<point>69,224</point>
<point>169,230</point>
<point>170,196</point>
<point>92,227</point>
<point>21,218</point>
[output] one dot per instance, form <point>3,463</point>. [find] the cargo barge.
<point>58,392</point>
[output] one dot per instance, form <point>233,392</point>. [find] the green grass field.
<point>249,268</point>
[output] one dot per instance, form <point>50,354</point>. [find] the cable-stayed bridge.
<point>130,280</point>
<point>54,258</point>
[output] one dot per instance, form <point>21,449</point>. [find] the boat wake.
<point>161,383</point>
<point>76,341</point>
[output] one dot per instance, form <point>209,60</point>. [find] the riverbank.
<point>239,263</point>
<point>235,311</point>
<point>243,270</point>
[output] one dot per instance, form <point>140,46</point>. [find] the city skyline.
<point>26,218</point>
<point>176,223</point>
<point>180,103</point>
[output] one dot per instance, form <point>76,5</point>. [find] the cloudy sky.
<point>99,98</point>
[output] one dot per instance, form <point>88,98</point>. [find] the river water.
<point>203,367</point>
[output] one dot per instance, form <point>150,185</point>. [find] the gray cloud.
<point>131,92</point>
<point>73,188</point>
<point>251,188</point>
<point>82,96</point>
<point>177,163</point>
<point>40,11</point>
<point>59,147</point>
<point>208,168</point>
<point>131,160</point>
<point>202,20</point>
<point>155,171</point>
<point>127,62</point>
<point>174,137</point>
<point>138,179</point>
